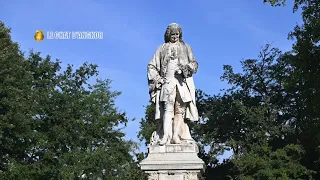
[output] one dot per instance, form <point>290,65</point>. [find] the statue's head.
<point>173,33</point>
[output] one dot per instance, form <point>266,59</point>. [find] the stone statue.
<point>172,89</point>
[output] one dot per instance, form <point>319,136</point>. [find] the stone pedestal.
<point>173,162</point>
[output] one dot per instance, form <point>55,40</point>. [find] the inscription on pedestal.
<point>174,148</point>
<point>171,177</point>
<point>180,148</point>
<point>153,176</point>
<point>173,162</point>
<point>190,176</point>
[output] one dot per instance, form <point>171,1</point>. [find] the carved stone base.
<point>173,162</point>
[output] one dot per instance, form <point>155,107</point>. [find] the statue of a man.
<point>172,89</point>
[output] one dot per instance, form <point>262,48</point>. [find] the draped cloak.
<point>156,71</point>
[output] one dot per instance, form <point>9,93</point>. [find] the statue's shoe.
<point>163,141</point>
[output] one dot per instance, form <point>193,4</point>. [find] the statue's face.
<point>174,37</point>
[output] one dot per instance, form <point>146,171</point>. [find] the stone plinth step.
<point>173,161</point>
<point>174,157</point>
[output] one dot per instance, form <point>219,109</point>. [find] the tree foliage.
<point>15,95</point>
<point>269,116</point>
<point>57,126</point>
<point>255,118</point>
<point>148,124</point>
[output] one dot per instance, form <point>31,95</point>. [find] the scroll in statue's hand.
<point>186,70</point>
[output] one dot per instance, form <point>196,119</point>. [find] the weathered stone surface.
<point>173,148</point>
<point>172,89</point>
<point>174,175</point>
<point>174,161</point>
<point>173,154</point>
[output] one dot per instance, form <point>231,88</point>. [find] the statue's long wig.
<point>169,29</point>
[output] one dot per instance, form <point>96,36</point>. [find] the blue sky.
<point>220,32</point>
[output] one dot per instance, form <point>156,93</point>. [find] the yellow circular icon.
<point>39,36</point>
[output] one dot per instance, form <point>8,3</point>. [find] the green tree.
<point>255,115</point>
<point>294,93</point>
<point>296,3</point>
<point>261,162</point>
<point>15,120</point>
<point>305,80</point>
<point>57,126</point>
<point>148,124</point>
